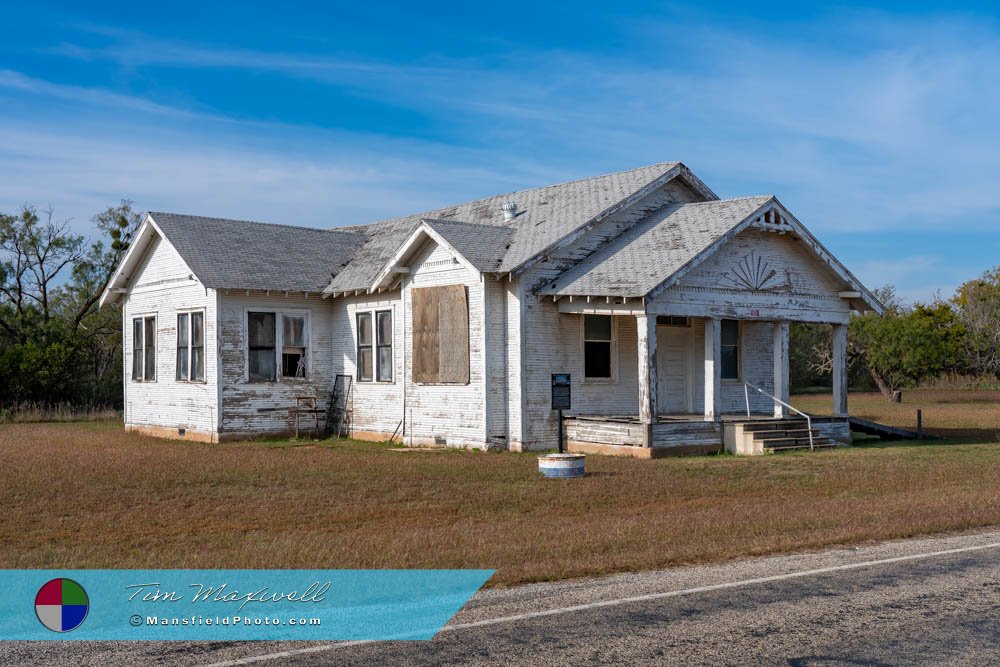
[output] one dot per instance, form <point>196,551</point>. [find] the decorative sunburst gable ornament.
<point>753,273</point>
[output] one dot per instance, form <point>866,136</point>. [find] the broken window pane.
<point>293,364</point>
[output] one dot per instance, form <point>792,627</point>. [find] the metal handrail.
<point>809,424</point>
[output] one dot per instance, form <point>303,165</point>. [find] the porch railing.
<point>746,394</point>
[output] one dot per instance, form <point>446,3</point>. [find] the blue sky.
<point>878,127</point>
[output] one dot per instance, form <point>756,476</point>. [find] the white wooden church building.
<point>667,307</point>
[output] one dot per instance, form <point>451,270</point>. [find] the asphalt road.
<point>930,601</point>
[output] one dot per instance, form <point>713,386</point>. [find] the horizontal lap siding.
<point>242,401</point>
<point>553,340</point>
<point>669,435</point>
<point>496,361</point>
<point>452,414</point>
<point>163,285</point>
<point>377,406</point>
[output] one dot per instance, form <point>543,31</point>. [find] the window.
<point>144,349</point>
<point>260,346</point>
<point>597,346</point>
<point>383,339</point>
<point>672,321</point>
<point>440,334</point>
<point>191,347</point>
<point>364,347</point>
<point>730,346</point>
<point>277,345</point>
<point>293,346</point>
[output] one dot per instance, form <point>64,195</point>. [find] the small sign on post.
<point>561,399</point>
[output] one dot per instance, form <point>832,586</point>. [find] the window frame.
<point>613,361</point>
<point>739,351</point>
<point>145,317</point>
<point>359,346</point>
<point>374,346</point>
<point>191,346</point>
<point>379,346</point>
<point>278,343</point>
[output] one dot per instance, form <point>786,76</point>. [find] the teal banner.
<point>220,605</point>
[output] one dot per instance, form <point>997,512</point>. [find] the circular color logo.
<point>61,605</point>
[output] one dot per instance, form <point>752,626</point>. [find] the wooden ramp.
<point>885,432</point>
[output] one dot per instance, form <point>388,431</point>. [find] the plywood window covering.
<point>191,347</point>
<point>730,348</point>
<point>364,347</point>
<point>260,347</point>
<point>597,347</point>
<point>440,334</point>
<point>144,349</point>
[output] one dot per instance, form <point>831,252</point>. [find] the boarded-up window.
<point>440,334</point>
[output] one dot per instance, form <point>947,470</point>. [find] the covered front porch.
<point>705,384</point>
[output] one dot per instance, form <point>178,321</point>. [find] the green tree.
<point>978,306</point>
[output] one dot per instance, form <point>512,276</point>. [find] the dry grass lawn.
<point>89,495</point>
<point>966,415</point>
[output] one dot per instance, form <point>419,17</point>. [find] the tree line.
<point>909,344</point>
<point>58,347</point>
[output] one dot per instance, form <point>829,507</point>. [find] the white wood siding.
<point>553,341</point>
<point>452,414</point>
<point>242,400</point>
<point>377,406</point>
<point>802,287</point>
<point>163,285</point>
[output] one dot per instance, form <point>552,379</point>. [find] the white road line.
<point>618,601</point>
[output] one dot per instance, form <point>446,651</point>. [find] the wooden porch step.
<point>783,433</point>
<point>777,425</point>
<point>798,443</point>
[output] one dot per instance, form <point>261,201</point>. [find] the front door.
<point>673,369</point>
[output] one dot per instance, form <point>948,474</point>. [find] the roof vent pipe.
<point>509,210</point>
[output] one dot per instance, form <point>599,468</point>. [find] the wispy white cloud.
<point>888,124</point>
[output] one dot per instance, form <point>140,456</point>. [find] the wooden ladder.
<point>338,413</point>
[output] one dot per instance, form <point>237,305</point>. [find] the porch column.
<point>781,367</point>
<point>713,368</point>
<point>839,370</point>
<point>646,327</point>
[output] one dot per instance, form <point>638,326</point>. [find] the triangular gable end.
<point>124,275</point>
<point>397,264</point>
<point>773,217</point>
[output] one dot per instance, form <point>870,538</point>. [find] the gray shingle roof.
<point>240,254</point>
<point>653,250</point>
<point>544,216</point>
<point>483,245</point>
